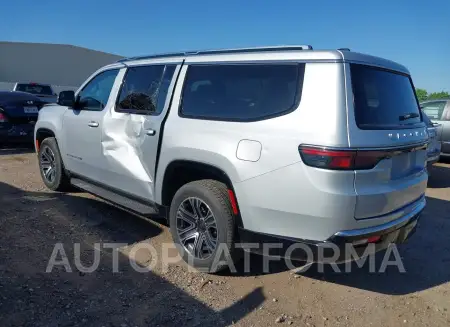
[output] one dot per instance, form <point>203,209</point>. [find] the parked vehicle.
<point>434,145</point>
<point>18,114</point>
<point>439,112</point>
<point>42,91</point>
<point>281,144</point>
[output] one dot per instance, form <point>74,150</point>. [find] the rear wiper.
<point>409,116</point>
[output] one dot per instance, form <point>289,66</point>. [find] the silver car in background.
<point>439,112</point>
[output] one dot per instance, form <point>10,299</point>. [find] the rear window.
<point>35,89</point>
<point>241,92</point>
<point>383,99</point>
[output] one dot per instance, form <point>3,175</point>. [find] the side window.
<point>434,109</point>
<point>241,92</point>
<point>144,89</point>
<point>95,94</point>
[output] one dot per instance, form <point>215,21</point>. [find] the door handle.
<point>93,124</point>
<point>150,132</point>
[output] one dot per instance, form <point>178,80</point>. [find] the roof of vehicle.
<point>289,52</point>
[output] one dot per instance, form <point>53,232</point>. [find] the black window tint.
<point>435,109</point>
<point>241,92</point>
<point>95,94</point>
<point>140,88</point>
<point>383,99</point>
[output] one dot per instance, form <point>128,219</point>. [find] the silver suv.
<point>283,144</point>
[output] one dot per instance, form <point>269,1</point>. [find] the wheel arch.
<point>181,171</point>
<point>41,134</point>
<point>49,123</point>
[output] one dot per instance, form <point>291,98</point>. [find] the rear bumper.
<point>16,132</point>
<point>336,249</point>
<point>433,157</point>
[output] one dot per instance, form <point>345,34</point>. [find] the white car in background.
<point>43,91</point>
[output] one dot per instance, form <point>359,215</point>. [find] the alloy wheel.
<point>197,228</point>
<point>48,164</point>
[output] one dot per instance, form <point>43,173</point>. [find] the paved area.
<point>33,220</point>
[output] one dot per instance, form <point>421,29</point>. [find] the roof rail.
<point>223,51</point>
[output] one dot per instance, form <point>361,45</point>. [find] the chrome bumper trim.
<point>410,212</point>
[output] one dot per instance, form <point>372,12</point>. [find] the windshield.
<point>35,89</point>
<point>383,99</point>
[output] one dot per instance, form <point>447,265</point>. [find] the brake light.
<point>371,239</point>
<point>340,159</point>
<point>322,158</point>
<point>3,118</point>
<point>369,159</point>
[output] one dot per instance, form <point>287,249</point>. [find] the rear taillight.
<point>3,118</point>
<point>329,159</point>
<point>363,241</point>
<point>340,159</point>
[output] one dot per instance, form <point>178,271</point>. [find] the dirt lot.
<point>33,220</point>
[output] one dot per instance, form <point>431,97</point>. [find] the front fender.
<point>50,118</point>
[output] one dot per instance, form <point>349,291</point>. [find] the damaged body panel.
<point>116,141</point>
<point>124,146</point>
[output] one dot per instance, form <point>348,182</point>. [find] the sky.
<point>415,33</point>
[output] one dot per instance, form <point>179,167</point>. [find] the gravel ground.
<point>33,220</point>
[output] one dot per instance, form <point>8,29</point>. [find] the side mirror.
<point>66,98</point>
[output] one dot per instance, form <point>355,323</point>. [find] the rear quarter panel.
<point>277,185</point>
<point>216,142</point>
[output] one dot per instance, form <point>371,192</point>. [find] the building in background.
<point>61,65</point>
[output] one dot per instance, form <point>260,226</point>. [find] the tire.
<point>49,155</point>
<point>214,195</point>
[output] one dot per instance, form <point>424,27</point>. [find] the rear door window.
<point>434,109</point>
<point>383,99</point>
<point>241,92</point>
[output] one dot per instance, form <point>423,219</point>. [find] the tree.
<point>438,95</point>
<point>422,94</point>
